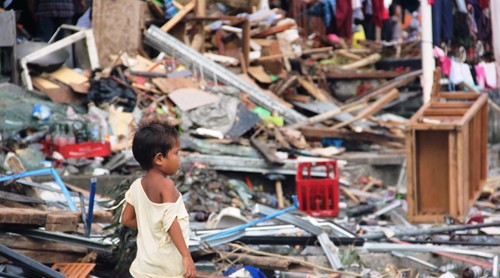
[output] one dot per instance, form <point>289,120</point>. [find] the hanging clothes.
<point>484,4</point>
<point>442,21</point>
<point>456,76</point>
<point>461,6</point>
<point>491,74</point>
<point>481,75</point>
<point>484,27</point>
<point>343,15</point>
<point>495,25</point>
<point>380,12</point>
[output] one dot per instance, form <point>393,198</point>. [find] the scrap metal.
<point>327,245</point>
<point>191,58</point>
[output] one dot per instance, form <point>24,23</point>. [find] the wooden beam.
<point>436,104</point>
<point>264,149</point>
<point>436,85</point>
<point>388,86</point>
<point>458,95</point>
<point>23,242</point>
<point>376,74</point>
<point>274,30</point>
<point>363,62</point>
<point>246,42</point>
<point>445,112</point>
<point>318,133</point>
<point>293,54</point>
<point>178,17</point>
<point>372,108</point>
<point>47,257</point>
<point>330,114</point>
<point>310,88</point>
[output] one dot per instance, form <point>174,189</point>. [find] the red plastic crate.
<point>80,150</point>
<point>318,197</point>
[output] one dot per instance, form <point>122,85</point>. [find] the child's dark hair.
<point>152,136</point>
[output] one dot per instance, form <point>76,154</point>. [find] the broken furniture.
<point>446,143</point>
<point>60,44</point>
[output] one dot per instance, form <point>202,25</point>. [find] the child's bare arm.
<point>175,233</point>
<point>128,217</point>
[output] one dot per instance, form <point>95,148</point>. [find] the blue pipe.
<point>90,213</point>
<point>253,222</point>
<point>41,172</point>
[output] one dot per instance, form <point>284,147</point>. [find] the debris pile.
<point>253,95</point>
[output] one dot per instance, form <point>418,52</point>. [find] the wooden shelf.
<point>446,143</point>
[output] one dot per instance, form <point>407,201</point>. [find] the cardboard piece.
<point>120,122</point>
<point>190,98</point>
<point>56,93</point>
<point>260,74</point>
<point>68,76</point>
<point>168,85</point>
<point>79,83</point>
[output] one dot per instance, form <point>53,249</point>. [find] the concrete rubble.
<point>300,149</point>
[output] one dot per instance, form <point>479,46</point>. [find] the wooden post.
<point>246,42</point>
<point>198,42</point>
<point>178,17</point>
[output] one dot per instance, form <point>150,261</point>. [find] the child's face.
<point>172,160</point>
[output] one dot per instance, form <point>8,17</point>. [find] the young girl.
<point>154,206</point>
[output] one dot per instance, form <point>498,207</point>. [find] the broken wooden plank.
<point>363,62</point>
<point>330,114</point>
<point>295,97</point>
<point>47,257</point>
<point>22,216</point>
<point>266,151</point>
<point>318,133</point>
<point>257,261</point>
<point>388,86</point>
<point>61,222</point>
<point>178,16</point>
<point>286,84</point>
<point>12,240</point>
<point>347,54</point>
<point>311,88</point>
<point>372,108</point>
<point>371,74</point>
<point>295,54</point>
<point>275,29</point>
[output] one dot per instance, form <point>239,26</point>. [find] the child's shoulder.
<point>169,192</point>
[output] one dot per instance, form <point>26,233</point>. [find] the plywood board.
<point>432,172</point>
<point>55,92</point>
<point>190,98</point>
<point>68,76</point>
<point>117,25</point>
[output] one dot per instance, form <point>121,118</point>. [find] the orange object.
<point>74,270</point>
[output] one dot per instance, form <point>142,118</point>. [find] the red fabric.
<point>483,4</point>
<point>431,2</point>
<point>380,13</point>
<point>343,15</point>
